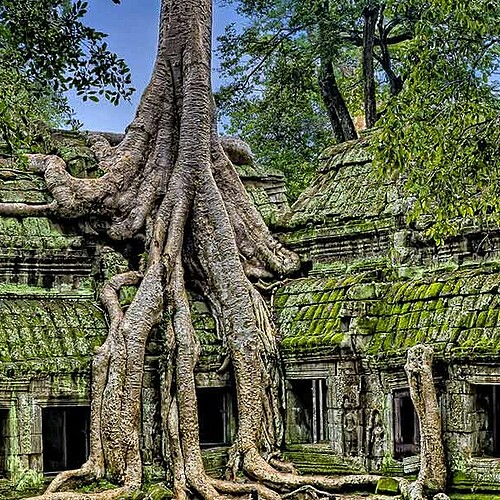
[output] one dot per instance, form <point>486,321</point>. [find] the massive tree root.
<point>170,185</point>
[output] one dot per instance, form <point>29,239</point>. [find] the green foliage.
<point>96,486</point>
<point>23,479</point>
<point>47,41</point>
<point>441,134</point>
<point>46,49</point>
<point>273,65</point>
<point>23,110</point>
<point>285,124</point>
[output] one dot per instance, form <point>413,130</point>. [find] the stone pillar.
<point>347,438</point>
<point>29,424</point>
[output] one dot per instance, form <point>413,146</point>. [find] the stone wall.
<point>371,287</point>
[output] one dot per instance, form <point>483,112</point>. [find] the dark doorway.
<point>307,415</point>
<point>213,416</point>
<point>406,425</point>
<point>488,419</point>
<point>65,435</point>
<point>4,436</point>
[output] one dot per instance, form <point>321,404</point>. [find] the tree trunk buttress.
<point>170,185</point>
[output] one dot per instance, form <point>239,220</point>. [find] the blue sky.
<point>132,28</point>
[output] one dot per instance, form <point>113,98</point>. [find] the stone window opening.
<point>406,425</point>
<point>487,415</point>
<point>214,416</point>
<point>307,411</point>
<point>4,436</point>
<point>65,437</point>
<point>345,323</point>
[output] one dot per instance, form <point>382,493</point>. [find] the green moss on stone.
<point>158,491</point>
<point>387,486</point>
<point>48,335</point>
<point>319,459</point>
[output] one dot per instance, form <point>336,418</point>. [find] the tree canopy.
<point>46,49</point>
<point>441,133</point>
<point>305,71</point>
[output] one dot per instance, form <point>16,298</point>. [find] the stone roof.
<point>48,334</point>
<point>347,212</point>
<point>350,214</point>
<point>309,312</point>
<point>456,311</point>
<point>346,189</point>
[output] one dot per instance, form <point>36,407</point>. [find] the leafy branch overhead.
<point>51,44</point>
<point>45,50</point>
<point>441,134</point>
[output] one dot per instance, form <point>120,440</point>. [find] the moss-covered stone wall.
<point>372,286</point>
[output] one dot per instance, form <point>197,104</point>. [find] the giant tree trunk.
<point>340,118</point>
<point>432,475</point>
<point>170,185</point>
<point>370,14</point>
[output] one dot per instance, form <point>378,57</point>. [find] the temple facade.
<point>371,287</point>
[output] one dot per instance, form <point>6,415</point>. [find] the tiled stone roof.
<point>346,189</point>
<point>347,212</point>
<point>456,311</point>
<point>48,335</point>
<point>308,312</point>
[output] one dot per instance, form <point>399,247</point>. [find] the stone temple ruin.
<point>371,287</point>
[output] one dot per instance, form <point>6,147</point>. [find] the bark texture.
<point>340,118</point>
<point>432,475</point>
<point>169,184</point>
<point>370,15</point>
<point>336,107</point>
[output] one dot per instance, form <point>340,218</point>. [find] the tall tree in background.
<point>305,70</point>
<point>170,189</point>
<point>46,49</point>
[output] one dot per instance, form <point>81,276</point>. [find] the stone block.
<point>36,426</point>
<point>36,443</point>
<point>460,414</point>
<point>387,486</point>
<point>411,465</point>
